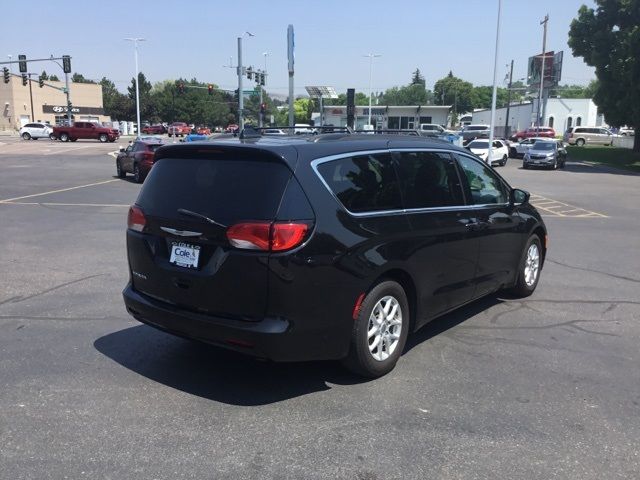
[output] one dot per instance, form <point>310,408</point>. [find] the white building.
<point>560,114</point>
<point>388,117</point>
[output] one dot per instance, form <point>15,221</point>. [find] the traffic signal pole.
<point>33,117</point>
<point>240,95</point>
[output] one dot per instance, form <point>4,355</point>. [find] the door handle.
<point>477,225</point>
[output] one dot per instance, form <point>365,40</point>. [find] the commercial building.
<point>20,104</point>
<point>387,117</point>
<point>559,114</point>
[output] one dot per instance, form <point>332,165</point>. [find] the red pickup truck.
<point>179,129</point>
<point>85,130</point>
<point>534,132</point>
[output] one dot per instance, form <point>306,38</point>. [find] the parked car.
<point>547,154</point>
<point>499,152</point>
<point>274,131</point>
<point>540,132</point>
<point>342,246</point>
<point>178,129</point>
<point>203,131</point>
<point>588,135</point>
<point>522,147</point>
<point>232,128</point>
<point>85,130</point>
<point>34,131</point>
<point>434,129</point>
<point>137,158</point>
<point>154,129</point>
<point>626,132</point>
<point>471,132</point>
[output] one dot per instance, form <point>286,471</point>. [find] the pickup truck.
<point>85,130</point>
<point>179,129</point>
<point>532,132</point>
<point>434,129</point>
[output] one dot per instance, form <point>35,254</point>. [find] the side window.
<point>428,179</point>
<point>363,183</point>
<point>485,185</point>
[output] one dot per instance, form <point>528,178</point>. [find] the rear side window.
<point>363,183</point>
<point>428,179</point>
<point>227,190</point>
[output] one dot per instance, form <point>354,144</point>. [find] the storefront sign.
<point>76,110</point>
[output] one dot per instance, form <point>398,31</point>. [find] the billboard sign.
<point>552,69</point>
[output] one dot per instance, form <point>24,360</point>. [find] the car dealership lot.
<point>534,388</point>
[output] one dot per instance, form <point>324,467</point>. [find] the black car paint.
<point>298,305</point>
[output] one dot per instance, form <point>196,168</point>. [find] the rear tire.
<point>580,142</point>
<point>64,137</point>
<point>52,137</point>
<point>504,160</point>
<point>380,331</point>
<point>137,176</point>
<point>119,171</point>
<point>529,268</point>
<point>26,136</point>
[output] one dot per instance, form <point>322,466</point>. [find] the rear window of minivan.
<point>227,190</point>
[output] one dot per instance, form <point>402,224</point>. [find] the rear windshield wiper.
<point>189,213</point>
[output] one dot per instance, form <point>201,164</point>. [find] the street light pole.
<point>495,84</point>
<point>240,75</point>
<point>371,57</point>
<point>544,22</point>
<point>135,43</point>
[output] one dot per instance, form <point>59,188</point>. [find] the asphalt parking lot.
<point>546,387</point>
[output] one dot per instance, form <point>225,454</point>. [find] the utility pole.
<point>506,120</point>
<point>260,114</point>
<point>135,43</point>
<point>33,118</point>
<point>290,65</point>
<point>495,85</point>
<point>371,57</point>
<point>544,50</point>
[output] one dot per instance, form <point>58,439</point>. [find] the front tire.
<point>103,138</point>
<point>529,268</point>
<point>380,331</point>
<point>580,142</point>
<point>52,137</point>
<point>26,136</point>
<point>504,161</point>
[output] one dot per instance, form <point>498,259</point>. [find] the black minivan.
<point>333,246</point>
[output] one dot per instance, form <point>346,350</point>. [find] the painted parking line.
<point>7,200</point>
<point>554,208</point>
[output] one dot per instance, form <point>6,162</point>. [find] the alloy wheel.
<point>532,265</point>
<point>385,327</point>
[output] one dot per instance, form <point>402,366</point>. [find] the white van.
<point>592,135</point>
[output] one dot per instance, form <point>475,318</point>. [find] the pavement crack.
<point>613,275</point>
<point>575,324</point>
<point>20,298</point>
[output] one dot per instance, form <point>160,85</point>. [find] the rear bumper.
<point>271,338</point>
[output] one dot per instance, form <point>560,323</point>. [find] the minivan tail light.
<point>136,219</point>
<point>266,236</point>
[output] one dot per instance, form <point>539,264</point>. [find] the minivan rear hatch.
<point>181,254</point>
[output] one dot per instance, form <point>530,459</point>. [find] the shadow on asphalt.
<point>229,377</point>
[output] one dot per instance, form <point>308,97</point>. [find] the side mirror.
<point>121,149</point>
<point>518,197</point>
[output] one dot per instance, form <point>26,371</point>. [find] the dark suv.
<point>327,247</point>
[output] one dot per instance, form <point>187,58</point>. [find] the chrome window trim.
<point>406,211</point>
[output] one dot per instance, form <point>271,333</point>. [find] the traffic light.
<point>262,79</point>
<point>22,63</point>
<point>250,73</point>
<point>5,74</point>
<point>210,88</point>
<point>41,81</point>
<point>25,80</point>
<point>66,64</point>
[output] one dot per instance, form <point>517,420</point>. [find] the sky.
<point>197,39</point>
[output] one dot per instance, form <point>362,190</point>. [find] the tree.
<point>454,91</point>
<point>483,95</point>
<point>359,99</point>
<point>117,105</point>
<point>79,78</point>
<point>607,39</point>
<point>418,79</point>
<point>148,110</point>
<point>414,94</point>
<point>44,75</point>
<point>54,78</point>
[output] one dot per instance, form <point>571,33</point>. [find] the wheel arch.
<point>405,280</point>
<point>542,235</point>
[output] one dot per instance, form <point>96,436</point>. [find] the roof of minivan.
<point>310,147</point>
